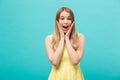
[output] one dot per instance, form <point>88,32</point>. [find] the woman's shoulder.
<point>81,35</point>
<point>49,37</point>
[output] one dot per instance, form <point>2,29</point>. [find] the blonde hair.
<point>56,35</point>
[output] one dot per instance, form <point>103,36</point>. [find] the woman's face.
<point>65,21</point>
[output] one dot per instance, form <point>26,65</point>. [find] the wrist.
<point>66,38</point>
<point>62,38</point>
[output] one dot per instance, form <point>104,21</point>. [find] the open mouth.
<point>65,28</point>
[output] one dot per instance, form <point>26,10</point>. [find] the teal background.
<point>24,24</point>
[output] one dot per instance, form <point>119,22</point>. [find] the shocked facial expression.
<point>65,21</point>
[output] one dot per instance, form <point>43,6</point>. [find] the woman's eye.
<point>69,18</point>
<point>62,18</point>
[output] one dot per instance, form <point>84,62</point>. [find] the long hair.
<point>56,35</point>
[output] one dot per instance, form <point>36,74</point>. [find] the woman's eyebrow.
<point>61,16</point>
<point>70,16</point>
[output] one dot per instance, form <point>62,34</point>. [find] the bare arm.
<point>76,56</point>
<point>54,56</point>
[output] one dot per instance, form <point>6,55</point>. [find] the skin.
<point>75,55</point>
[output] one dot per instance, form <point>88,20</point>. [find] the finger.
<point>58,24</point>
<point>72,24</point>
<point>70,28</point>
<point>59,27</point>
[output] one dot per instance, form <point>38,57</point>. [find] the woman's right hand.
<point>60,30</point>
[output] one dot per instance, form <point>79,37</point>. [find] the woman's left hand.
<point>69,31</point>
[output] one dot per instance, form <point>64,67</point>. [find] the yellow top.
<point>66,70</point>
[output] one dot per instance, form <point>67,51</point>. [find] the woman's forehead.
<point>65,13</point>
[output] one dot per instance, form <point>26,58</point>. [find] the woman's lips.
<point>65,28</point>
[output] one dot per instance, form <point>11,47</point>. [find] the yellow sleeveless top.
<point>66,70</point>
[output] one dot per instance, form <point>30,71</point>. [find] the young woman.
<point>65,48</point>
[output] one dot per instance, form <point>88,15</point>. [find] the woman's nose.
<point>65,21</point>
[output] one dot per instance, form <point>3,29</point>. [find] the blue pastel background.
<point>24,24</point>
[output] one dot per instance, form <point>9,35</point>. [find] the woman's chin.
<point>65,32</point>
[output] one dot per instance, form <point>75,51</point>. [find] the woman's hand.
<point>60,30</point>
<point>69,31</point>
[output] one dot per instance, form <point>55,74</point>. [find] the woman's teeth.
<point>65,26</point>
